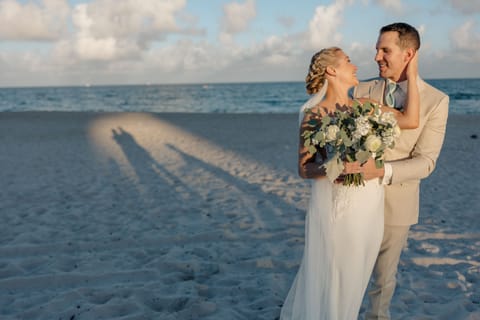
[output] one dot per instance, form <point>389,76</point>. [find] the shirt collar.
<point>403,85</point>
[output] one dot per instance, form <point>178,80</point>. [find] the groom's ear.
<point>409,53</point>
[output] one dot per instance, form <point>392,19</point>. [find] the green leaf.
<point>334,168</point>
<point>362,156</point>
<point>320,136</point>
<point>346,140</point>
<point>326,120</point>
<point>379,163</point>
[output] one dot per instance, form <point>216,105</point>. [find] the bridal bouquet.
<point>353,135</point>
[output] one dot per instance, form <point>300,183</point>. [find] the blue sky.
<point>59,42</point>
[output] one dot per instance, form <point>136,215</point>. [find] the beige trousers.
<point>385,271</point>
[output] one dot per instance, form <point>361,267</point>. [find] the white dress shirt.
<point>400,95</point>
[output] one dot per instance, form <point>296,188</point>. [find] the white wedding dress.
<point>343,233</point>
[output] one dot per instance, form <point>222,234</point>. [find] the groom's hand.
<point>370,170</point>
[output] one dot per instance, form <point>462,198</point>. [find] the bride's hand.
<point>370,170</point>
<point>351,167</point>
<point>412,67</point>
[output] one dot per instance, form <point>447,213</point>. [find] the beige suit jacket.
<point>415,153</point>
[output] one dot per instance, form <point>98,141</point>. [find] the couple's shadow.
<point>183,186</point>
<point>149,171</point>
<point>233,213</point>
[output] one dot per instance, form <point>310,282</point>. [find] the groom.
<point>412,159</point>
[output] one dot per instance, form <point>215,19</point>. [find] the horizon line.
<point>89,85</point>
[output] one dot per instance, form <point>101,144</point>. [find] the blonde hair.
<point>315,78</point>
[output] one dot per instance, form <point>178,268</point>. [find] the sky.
<point>101,42</point>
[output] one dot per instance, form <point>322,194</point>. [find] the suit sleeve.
<point>424,156</point>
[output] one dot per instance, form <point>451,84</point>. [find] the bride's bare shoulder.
<point>319,110</point>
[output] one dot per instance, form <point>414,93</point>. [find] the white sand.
<point>198,216</point>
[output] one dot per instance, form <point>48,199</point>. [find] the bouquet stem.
<point>355,179</point>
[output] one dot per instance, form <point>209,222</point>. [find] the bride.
<point>344,224</point>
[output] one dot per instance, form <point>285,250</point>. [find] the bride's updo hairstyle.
<point>315,78</point>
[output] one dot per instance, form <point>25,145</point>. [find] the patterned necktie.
<point>390,98</point>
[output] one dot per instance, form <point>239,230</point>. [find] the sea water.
<point>275,97</point>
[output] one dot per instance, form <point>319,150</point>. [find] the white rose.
<point>388,118</point>
<point>373,143</point>
<point>362,125</point>
<point>332,131</point>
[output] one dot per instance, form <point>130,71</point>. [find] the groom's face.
<point>390,57</point>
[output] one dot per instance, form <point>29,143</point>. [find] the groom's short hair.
<point>408,36</point>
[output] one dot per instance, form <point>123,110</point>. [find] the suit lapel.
<point>378,90</point>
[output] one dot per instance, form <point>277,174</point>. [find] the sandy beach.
<point>199,216</point>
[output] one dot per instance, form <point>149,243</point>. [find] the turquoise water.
<point>278,97</point>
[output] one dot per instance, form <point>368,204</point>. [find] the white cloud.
<point>186,56</point>
<point>127,18</point>
<point>122,29</point>
<point>129,41</point>
<point>466,41</point>
<point>276,59</point>
<point>106,49</point>
<point>323,28</point>
<point>466,6</point>
<point>391,5</point>
<point>236,18</point>
<point>33,21</point>
<point>421,29</point>
<point>275,50</point>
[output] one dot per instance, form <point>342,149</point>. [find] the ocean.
<point>275,97</point>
